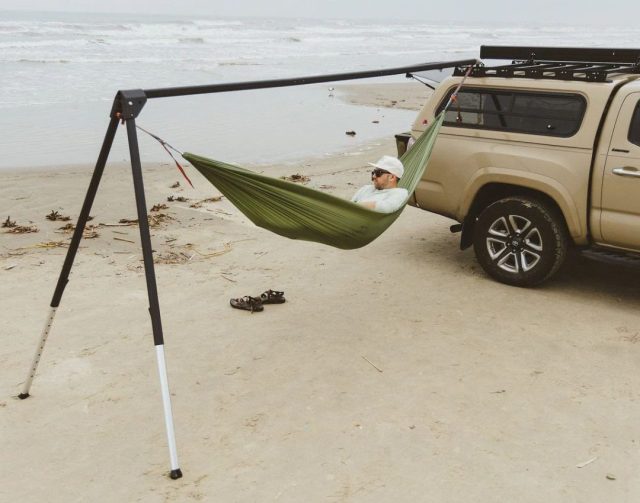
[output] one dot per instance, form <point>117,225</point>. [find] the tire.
<point>520,241</point>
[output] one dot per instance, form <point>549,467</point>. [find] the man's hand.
<point>368,204</point>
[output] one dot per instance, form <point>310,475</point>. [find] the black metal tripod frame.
<point>127,106</point>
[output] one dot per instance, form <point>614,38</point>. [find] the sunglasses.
<point>378,173</point>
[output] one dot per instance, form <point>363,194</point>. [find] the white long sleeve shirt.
<point>387,200</point>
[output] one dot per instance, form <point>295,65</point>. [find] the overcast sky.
<point>593,12</point>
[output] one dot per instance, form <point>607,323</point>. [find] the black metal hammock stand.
<point>127,105</point>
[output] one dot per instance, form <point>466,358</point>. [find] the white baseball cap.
<point>390,164</point>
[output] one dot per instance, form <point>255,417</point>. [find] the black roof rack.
<point>559,63</point>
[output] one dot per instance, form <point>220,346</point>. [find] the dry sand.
<point>394,373</point>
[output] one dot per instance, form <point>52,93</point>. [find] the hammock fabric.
<point>298,212</point>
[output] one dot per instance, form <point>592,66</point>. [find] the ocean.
<point>60,72</point>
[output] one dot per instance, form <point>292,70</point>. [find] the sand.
<point>394,373</point>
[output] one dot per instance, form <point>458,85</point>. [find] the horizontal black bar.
<point>537,66</point>
<point>573,54</point>
<point>512,66</point>
<point>299,81</point>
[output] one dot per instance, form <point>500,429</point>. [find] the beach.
<point>396,372</point>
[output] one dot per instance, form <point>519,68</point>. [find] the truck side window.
<point>634,129</point>
<point>551,114</point>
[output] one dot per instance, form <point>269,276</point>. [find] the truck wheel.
<point>520,241</point>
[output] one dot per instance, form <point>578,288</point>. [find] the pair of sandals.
<point>255,304</point>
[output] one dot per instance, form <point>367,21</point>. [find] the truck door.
<point>620,217</point>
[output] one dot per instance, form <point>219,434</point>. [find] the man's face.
<point>381,179</point>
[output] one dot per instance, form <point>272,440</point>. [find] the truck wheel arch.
<point>492,191</point>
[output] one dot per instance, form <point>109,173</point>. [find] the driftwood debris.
<point>22,229</point>
<point>50,244</point>
<point>586,463</point>
<point>89,232</point>
<point>14,228</point>
<point>198,204</point>
<point>125,240</point>
<point>172,258</point>
<point>159,219</point>
<point>154,221</point>
<point>225,249</point>
<point>296,178</point>
<point>54,216</point>
<point>372,364</point>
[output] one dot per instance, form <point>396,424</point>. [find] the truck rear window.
<point>551,114</point>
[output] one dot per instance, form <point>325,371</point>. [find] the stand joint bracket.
<point>128,104</point>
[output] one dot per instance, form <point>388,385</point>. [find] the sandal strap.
<point>249,301</point>
<point>271,293</point>
<point>253,302</point>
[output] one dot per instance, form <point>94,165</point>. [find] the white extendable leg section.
<point>36,357</point>
<point>176,473</point>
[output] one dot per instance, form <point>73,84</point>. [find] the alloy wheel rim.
<point>514,244</point>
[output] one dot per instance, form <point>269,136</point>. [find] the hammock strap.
<point>166,146</point>
<point>454,97</point>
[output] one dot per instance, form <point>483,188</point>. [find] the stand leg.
<point>152,290</point>
<point>176,473</point>
<point>73,248</point>
<point>36,357</point>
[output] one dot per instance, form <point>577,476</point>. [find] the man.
<point>384,195</point>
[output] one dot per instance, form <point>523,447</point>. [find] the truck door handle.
<point>627,171</point>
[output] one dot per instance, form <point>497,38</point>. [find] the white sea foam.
<point>54,61</point>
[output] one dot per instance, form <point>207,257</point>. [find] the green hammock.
<point>298,212</point>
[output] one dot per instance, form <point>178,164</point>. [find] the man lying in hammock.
<point>384,195</point>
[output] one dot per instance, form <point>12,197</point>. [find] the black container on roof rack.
<point>561,54</point>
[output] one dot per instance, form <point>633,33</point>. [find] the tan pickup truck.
<point>537,155</point>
